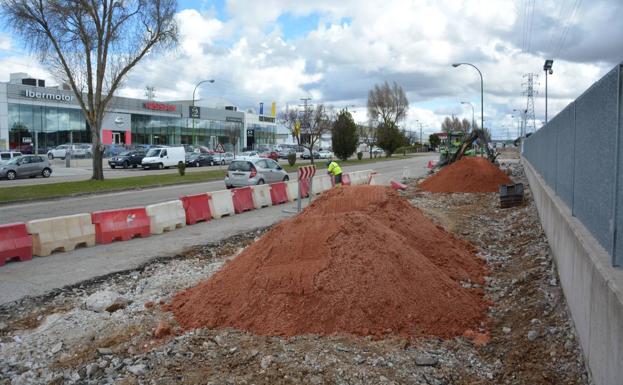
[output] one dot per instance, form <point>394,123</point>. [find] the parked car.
<point>270,154</point>
<point>306,155</point>
<point>223,158</point>
<point>164,157</point>
<point>196,159</point>
<point>283,154</point>
<point>247,155</point>
<point>253,172</point>
<point>26,166</point>
<point>75,150</point>
<point>127,159</point>
<point>325,154</point>
<point>6,156</point>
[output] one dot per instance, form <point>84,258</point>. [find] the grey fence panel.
<point>565,154</point>
<point>617,255</point>
<point>579,153</point>
<point>596,113</point>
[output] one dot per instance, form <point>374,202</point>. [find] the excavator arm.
<point>476,134</point>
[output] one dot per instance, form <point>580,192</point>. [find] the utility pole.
<point>150,93</point>
<point>530,93</point>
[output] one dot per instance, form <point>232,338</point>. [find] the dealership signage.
<point>194,112</point>
<point>48,96</point>
<point>267,119</point>
<point>160,106</point>
<point>233,119</point>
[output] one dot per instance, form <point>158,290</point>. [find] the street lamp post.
<point>482,95</point>
<point>198,84</point>
<point>547,67</point>
<point>472,106</point>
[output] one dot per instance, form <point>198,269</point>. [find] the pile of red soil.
<point>469,175</point>
<point>360,260</point>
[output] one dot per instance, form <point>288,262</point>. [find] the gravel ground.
<point>116,329</point>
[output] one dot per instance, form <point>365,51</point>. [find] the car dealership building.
<point>35,118</point>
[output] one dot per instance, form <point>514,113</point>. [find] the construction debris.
<point>360,260</point>
<point>122,347</point>
<point>468,175</point>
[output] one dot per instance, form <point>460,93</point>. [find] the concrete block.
<point>221,203</point>
<point>261,196</point>
<point>61,233</point>
<point>166,216</point>
<point>374,179</point>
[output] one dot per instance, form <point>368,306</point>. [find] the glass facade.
<point>164,130</point>
<point>264,133</point>
<point>36,129</point>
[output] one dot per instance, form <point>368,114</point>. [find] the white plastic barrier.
<point>360,177</point>
<point>321,183</point>
<point>374,179</point>
<point>261,196</point>
<point>166,216</point>
<point>221,203</point>
<point>61,233</point>
<point>293,190</point>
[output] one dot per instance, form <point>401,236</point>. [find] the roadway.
<point>22,212</point>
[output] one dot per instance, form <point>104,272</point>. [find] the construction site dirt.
<point>118,329</point>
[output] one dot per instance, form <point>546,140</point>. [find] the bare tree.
<point>454,124</point>
<point>387,104</point>
<point>308,125</point>
<point>368,135</point>
<point>92,45</point>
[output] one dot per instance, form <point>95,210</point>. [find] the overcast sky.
<point>335,51</point>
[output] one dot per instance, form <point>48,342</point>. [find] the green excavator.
<point>459,144</point>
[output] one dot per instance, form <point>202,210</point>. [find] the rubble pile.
<point>361,260</point>
<point>468,175</point>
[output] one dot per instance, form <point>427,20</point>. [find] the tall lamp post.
<point>482,95</point>
<point>472,106</point>
<point>195,90</point>
<point>547,67</point>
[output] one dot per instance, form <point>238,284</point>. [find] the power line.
<point>567,26</point>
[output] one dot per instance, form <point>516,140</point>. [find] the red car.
<point>270,154</point>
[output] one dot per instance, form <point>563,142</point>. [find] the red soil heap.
<point>469,175</point>
<point>360,260</point>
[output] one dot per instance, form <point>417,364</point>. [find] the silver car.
<point>223,158</point>
<point>26,166</point>
<point>253,172</point>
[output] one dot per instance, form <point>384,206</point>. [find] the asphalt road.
<point>21,212</point>
<point>81,170</point>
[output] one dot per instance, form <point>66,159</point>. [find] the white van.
<point>164,157</point>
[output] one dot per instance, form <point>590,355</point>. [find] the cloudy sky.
<point>335,51</point>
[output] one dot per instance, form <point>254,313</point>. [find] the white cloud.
<point>358,43</point>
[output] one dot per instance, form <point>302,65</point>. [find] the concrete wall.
<point>593,288</point>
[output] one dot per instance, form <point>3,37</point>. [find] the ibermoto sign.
<point>48,96</point>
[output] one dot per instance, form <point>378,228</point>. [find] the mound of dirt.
<point>469,175</point>
<point>360,260</point>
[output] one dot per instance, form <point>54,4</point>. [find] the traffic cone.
<point>430,164</point>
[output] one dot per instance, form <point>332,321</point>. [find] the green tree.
<point>434,140</point>
<point>344,136</point>
<point>390,138</point>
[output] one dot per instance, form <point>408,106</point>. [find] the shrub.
<point>359,155</point>
<point>291,158</point>
<point>181,168</point>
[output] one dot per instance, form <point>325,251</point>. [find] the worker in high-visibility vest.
<point>334,169</point>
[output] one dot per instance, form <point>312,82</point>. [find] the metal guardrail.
<point>579,153</point>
